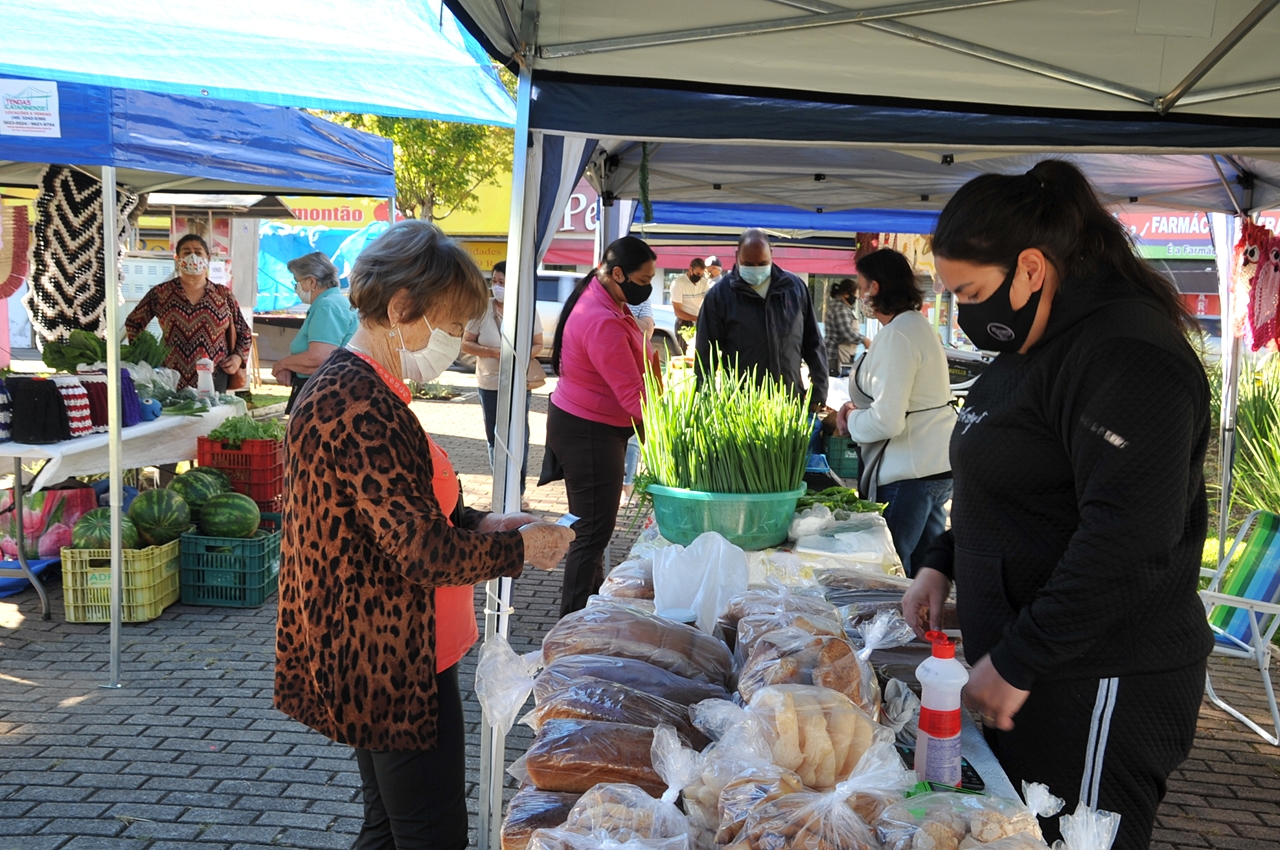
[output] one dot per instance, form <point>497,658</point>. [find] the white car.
<point>554,288</point>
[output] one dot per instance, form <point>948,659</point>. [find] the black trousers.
<point>416,800</point>
<point>1109,742</point>
<point>591,457</point>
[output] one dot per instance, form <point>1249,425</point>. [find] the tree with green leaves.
<point>439,164</point>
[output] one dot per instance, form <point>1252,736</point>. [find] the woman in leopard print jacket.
<point>380,556</point>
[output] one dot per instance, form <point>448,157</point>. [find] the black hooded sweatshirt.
<point>1079,511</point>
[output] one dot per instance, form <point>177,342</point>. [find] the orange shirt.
<point>456,630</point>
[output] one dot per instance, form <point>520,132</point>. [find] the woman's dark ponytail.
<point>995,217</point>
<point>628,253</point>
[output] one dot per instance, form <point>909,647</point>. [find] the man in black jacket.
<point>761,317</point>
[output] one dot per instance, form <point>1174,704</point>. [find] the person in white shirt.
<point>687,292</point>
<point>714,271</point>
<point>901,413</point>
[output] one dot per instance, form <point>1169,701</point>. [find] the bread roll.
<point>770,601</point>
<point>816,732</point>
<point>574,755</point>
<point>590,698</point>
<point>630,580</point>
<point>628,633</point>
<point>792,656</point>
<point>532,809</point>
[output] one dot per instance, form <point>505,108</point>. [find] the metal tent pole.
<point>1224,229</point>
<point>111,269</point>
<point>517,340</point>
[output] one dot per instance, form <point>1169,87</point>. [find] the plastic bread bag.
<point>774,599</point>
<point>576,755</point>
<point>754,626</point>
<point>563,839</point>
<point>599,601</point>
<point>640,675</point>
<point>590,698</point>
<point>878,781</point>
<point>626,812</point>
<point>885,630</point>
<point>503,681</point>
<point>1087,829</point>
<point>807,820</point>
<point>770,566</point>
<point>816,732</point>
<point>792,656</point>
<point>945,820</point>
<point>753,786</point>
<point>531,809</point>
<point>630,580</point>
<point>628,633</point>
<point>739,747</point>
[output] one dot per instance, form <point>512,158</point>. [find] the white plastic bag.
<point>900,711</point>
<point>861,538</point>
<point>504,681</point>
<point>702,577</point>
<point>1087,829</point>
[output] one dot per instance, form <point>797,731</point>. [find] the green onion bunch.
<point>732,434</point>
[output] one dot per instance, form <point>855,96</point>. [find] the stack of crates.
<point>256,469</point>
<point>150,583</point>
<point>231,572</point>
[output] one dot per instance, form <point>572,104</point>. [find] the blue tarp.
<point>239,145</point>
<point>789,218</point>
<point>391,57</point>
<point>280,243</point>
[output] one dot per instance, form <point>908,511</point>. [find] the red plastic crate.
<point>264,487</point>
<point>272,506</point>
<point>253,456</point>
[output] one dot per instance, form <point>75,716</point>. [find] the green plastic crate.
<point>232,572</point>
<point>842,456</point>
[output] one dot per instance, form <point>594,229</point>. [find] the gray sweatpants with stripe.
<point>1109,742</point>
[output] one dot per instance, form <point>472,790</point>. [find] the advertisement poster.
<point>30,108</point>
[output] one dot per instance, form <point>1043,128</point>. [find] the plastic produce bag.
<point>628,633</point>
<point>900,711</point>
<point>807,821</point>
<point>792,656</point>
<point>946,820</point>
<point>702,577</point>
<point>531,809</point>
<point>641,675</point>
<point>630,580</point>
<point>816,732</point>
<point>576,755</point>
<point>860,539</point>
<point>504,681</point>
<point>1087,829</point>
<point>589,698</point>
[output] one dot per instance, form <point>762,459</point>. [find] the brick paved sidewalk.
<point>190,753</point>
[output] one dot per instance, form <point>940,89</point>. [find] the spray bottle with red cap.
<point>942,678</point>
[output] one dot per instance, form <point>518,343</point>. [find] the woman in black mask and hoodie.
<point>1079,511</point>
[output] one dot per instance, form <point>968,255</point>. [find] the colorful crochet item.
<point>6,431</point>
<point>1264,296</point>
<point>15,249</point>
<point>77,401</point>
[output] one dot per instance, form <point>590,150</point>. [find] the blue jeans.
<point>917,515</point>
<point>489,403</point>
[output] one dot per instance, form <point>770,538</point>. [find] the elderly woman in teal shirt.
<point>329,324</point>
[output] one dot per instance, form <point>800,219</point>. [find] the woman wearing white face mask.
<point>380,556</point>
<point>329,324</point>
<point>483,340</point>
<point>198,318</point>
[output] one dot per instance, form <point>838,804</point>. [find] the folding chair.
<point>1241,604</point>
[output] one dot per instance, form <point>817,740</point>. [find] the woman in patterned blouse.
<point>196,317</point>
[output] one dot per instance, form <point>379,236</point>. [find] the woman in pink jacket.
<point>600,356</point>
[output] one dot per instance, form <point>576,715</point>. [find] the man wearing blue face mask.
<point>761,318</point>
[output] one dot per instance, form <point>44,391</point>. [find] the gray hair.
<point>316,265</point>
<point>416,256</point>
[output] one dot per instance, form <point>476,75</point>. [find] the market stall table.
<point>169,439</point>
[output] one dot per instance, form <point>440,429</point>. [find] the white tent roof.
<point>1190,56</point>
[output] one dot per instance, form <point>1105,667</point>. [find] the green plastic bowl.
<point>749,520</point>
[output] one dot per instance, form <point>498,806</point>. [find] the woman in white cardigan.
<point>901,413</point>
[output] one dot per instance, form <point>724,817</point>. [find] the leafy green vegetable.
<point>145,349</point>
<point>734,435</point>
<point>237,429</point>
<point>80,348</point>
<point>840,499</point>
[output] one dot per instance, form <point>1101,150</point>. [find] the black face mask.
<point>993,324</point>
<point>695,277</point>
<point>635,293</point>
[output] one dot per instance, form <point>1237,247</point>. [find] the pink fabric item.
<point>601,361</point>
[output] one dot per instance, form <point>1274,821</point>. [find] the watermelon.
<point>160,515</point>
<point>93,531</point>
<point>224,483</point>
<point>195,488</point>
<point>230,515</point>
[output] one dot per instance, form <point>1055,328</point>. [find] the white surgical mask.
<point>193,264</point>
<point>755,275</point>
<point>304,296</point>
<point>426,364</point>
<point>499,293</point>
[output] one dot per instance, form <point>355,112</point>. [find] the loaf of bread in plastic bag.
<point>530,809</point>
<point>574,755</point>
<point>590,698</point>
<point>628,633</point>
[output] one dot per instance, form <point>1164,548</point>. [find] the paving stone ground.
<point>190,753</point>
